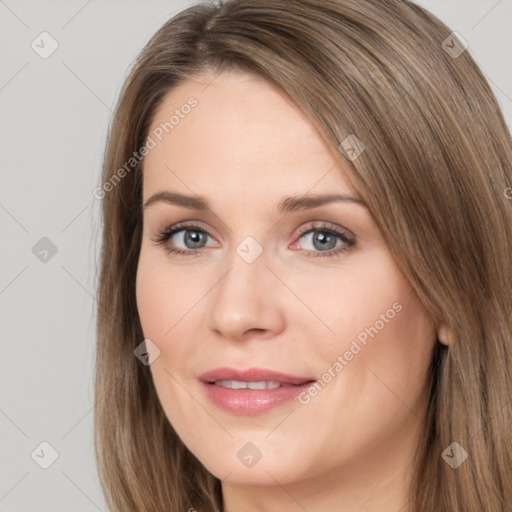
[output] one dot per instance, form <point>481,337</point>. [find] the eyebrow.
<point>287,205</point>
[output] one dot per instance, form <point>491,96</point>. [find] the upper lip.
<point>252,375</point>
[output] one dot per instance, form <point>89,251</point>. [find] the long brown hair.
<point>436,175</point>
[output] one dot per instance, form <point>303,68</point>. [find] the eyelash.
<point>164,235</point>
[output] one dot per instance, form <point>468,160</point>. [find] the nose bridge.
<point>245,296</point>
<point>247,262</point>
<point>245,282</point>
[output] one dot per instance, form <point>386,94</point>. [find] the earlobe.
<point>445,335</point>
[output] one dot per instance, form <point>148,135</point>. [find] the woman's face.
<point>271,279</point>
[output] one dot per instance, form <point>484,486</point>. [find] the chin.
<point>244,464</point>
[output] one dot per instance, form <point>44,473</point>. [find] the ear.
<point>445,335</point>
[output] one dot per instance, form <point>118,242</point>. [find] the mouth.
<point>252,391</point>
<point>258,377</point>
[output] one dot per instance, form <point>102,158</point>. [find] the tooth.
<point>232,384</point>
<point>223,383</point>
<point>257,385</point>
<point>235,384</point>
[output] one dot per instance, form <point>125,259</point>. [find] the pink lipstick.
<point>253,391</point>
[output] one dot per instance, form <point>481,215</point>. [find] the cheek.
<point>385,344</point>
<point>162,296</point>
<point>379,328</point>
<point>152,300</point>
<point>358,302</point>
<point>167,301</point>
<point>163,300</point>
<point>374,372</point>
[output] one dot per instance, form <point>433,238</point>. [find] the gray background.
<point>54,117</point>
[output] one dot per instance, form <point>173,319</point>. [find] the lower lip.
<point>249,402</point>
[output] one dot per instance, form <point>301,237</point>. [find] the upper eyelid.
<point>324,225</point>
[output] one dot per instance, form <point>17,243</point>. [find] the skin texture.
<point>244,147</point>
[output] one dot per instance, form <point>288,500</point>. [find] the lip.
<point>250,402</point>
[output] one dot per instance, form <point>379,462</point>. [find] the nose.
<point>248,301</point>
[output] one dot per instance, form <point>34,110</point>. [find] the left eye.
<point>323,241</point>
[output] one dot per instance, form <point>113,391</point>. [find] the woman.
<point>234,370</point>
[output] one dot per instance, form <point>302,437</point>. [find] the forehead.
<point>242,132</point>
